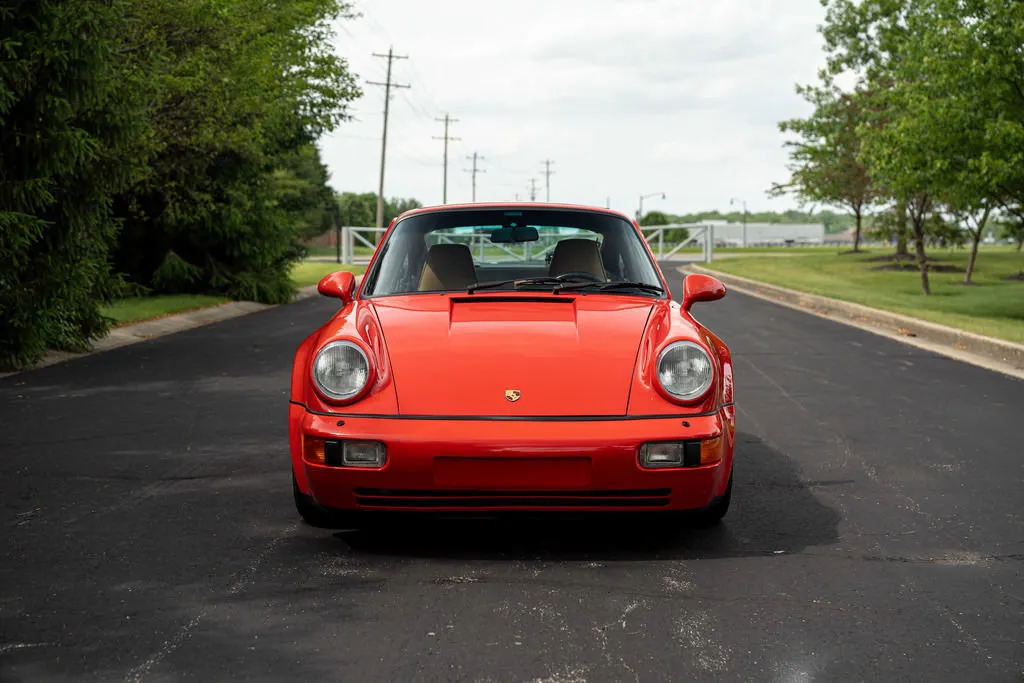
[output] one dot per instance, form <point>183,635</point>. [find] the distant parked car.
<point>478,370</point>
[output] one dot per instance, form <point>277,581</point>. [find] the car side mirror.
<point>699,287</point>
<point>338,285</point>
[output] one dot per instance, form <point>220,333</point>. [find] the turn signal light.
<point>313,450</point>
<point>343,453</point>
<point>711,451</point>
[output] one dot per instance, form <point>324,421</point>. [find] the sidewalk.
<point>134,333</point>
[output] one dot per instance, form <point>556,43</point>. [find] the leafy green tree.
<point>1013,230</point>
<point>655,218</point>
<point>69,132</point>
<point>955,117</point>
<point>360,209</point>
<point>243,88</point>
<point>825,156</point>
<point>862,38</point>
<point>299,187</point>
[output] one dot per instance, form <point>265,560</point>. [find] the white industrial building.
<point>766,234</point>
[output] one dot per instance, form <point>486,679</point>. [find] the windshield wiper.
<point>608,286</point>
<point>517,283</point>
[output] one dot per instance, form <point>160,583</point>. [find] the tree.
<point>360,210</point>
<point>947,126</point>
<point>956,115</point>
<point>299,186</point>
<point>655,218</point>
<point>395,207</point>
<point>862,38</point>
<point>825,158</point>
<point>244,87</point>
<point>69,128</point>
<point>1013,230</point>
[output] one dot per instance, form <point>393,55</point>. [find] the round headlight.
<point>685,370</point>
<point>341,370</point>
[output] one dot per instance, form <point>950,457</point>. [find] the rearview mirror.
<point>510,235</point>
<point>339,285</point>
<point>699,287</point>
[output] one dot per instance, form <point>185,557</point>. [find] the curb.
<point>133,333</point>
<point>995,354</point>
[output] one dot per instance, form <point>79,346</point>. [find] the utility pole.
<point>547,178</point>
<point>533,189</point>
<point>447,120</point>
<point>476,157</point>
<point>388,85</point>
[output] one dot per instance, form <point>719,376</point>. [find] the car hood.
<point>468,355</point>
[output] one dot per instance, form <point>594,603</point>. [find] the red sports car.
<point>511,357</point>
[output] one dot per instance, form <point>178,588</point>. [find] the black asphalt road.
<point>876,532</point>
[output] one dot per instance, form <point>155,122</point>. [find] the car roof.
<point>514,205</point>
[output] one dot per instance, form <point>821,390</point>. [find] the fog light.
<point>680,453</point>
<point>662,454</point>
<point>362,454</point>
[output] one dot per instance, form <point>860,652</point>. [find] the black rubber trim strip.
<point>516,418</point>
<point>485,297</point>
<point>417,493</point>
<point>511,502</point>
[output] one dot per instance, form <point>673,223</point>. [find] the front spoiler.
<point>412,445</point>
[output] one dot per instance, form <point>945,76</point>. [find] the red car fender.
<point>356,321</point>
<point>664,326</point>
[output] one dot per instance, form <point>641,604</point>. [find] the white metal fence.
<point>358,244</point>
<point>698,235</point>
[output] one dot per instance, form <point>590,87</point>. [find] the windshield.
<point>512,249</point>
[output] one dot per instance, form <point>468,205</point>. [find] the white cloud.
<point>626,96</point>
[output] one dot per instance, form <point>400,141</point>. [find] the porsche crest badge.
<point>512,395</point>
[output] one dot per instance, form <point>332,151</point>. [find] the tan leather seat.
<point>448,266</point>
<point>577,256</point>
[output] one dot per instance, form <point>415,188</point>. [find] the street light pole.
<point>742,201</point>
<point>640,209</point>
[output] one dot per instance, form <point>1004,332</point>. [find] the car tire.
<point>713,514</point>
<point>316,516</point>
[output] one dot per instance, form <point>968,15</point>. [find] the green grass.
<point>696,249</point>
<point>993,306</point>
<point>139,308</point>
<point>311,272</point>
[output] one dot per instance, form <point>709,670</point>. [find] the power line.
<point>547,177</point>
<point>447,120</point>
<point>476,157</point>
<point>388,85</point>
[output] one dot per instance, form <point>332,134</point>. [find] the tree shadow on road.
<point>773,511</point>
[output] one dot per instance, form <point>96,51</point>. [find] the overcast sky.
<point>627,97</point>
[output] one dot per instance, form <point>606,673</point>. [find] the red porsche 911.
<point>512,357</point>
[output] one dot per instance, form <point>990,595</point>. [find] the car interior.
<point>451,266</point>
<point>450,252</point>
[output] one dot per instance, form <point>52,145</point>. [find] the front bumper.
<point>453,465</point>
